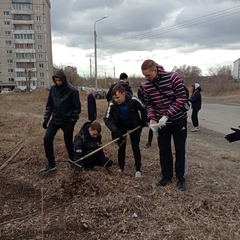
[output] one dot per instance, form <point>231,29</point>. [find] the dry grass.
<point>209,209</point>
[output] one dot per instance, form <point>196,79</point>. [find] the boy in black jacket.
<point>123,115</point>
<point>86,141</point>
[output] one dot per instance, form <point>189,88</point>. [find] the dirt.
<point>100,204</point>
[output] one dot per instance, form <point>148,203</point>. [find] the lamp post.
<point>113,70</point>
<point>95,49</point>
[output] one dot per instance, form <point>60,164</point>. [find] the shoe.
<point>138,174</point>
<point>182,185</point>
<point>148,145</point>
<point>48,168</point>
<point>196,129</point>
<point>119,170</point>
<point>163,182</point>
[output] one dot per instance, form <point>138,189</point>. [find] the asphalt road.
<point>218,117</point>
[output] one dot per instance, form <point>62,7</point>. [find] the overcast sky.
<point>203,33</point>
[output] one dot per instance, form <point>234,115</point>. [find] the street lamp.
<point>95,49</point>
<point>113,69</point>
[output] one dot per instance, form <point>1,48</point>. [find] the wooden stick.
<point>91,153</point>
<point>10,159</point>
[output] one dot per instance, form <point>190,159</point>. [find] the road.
<point>218,117</point>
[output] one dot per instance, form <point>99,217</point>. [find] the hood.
<point>60,74</point>
<point>196,86</point>
<point>84,129</point>
<point>160,68</point>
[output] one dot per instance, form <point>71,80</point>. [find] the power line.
<point>189,23</point>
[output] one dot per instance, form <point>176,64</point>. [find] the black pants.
<point>150,136</point>
<point>195,117</point>
<point>178,131</point>
<point>49,137</point>
<point>135,140</point>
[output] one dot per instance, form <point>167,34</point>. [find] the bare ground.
<point>209,209</point>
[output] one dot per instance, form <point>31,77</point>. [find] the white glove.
<point>162,122</point>
<point>154,128</point>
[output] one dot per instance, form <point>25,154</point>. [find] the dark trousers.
<point>195,117</point>
<point>135,140</point>
<point>96,159</point>
<point>150,136</point>
<point>49,137</point>
<point>179,133</point>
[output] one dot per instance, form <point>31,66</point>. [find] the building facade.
<point>236,70</point>
<point>25,44</point>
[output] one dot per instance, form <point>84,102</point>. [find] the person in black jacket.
<point>196,101</point>
<point>122,115</point>
<point>91,105</point>
<point>123,81</point>
<point>86,141</point>
<point>63,107</point>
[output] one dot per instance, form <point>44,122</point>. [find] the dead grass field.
<point>209,209</point>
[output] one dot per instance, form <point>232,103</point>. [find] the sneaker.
<point>148,145</point>
<point>163,182</point>
<point>182,185</point>
<point>138,174</point>
<point>119,170</point>
<point>196,129</point>
<point>48,168</point>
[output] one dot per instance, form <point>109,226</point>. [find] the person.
<point>196,102</point>
<point>140,95</point>
<point>63,107</point>
<point>91,105</point>
<point>122,115</point>
<point>86,141</point>
<point>165,97</point>
<point>124,82</point>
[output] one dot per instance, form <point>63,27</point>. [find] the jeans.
<point>49,137</point>
<point>195,117</point>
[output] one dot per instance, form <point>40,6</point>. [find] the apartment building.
<point>25,44</point>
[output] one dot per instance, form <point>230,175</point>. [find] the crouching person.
<point>86,141</point>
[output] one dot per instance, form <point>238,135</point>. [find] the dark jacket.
<point>92,108</point>
<point>63,102</point>
<point>125,85</point>
<point>111,118</point>
<point>84,143</point>
<point>140,93</point>
<point>196,99</point>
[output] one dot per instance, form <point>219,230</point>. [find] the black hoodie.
<point>63,102</point>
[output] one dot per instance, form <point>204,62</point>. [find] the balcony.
<point>23,69</point>
<point>20,11</point>
<point>25,50</point>
<point>22,31</point>
<point>25,59</point>
<point>22,22</point>
<point>17,79</point>
<point>24,40</point>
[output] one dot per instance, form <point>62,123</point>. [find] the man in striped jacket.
<point>164,96</point>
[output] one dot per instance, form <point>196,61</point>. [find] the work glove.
<point>44,125</point>
<point>117,134</point>
<point>154,127</point>
<point>162,122</point>
<point>232,137</point>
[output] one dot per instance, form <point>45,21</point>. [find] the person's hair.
<point>96,126</point>
<point>148,65</point>
<point>91,91</point>
<point>118,88</point>
<point>123,76</point>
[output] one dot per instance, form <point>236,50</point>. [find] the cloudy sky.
<point>203,33</point>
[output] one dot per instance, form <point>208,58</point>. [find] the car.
<point>5,90</point>
<point>17,90</point>
<point>101,94</point>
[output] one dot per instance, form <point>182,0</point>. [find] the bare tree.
<point>221,73</point>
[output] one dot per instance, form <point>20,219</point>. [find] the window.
<point>38,18</point>
<point>25,55</point>
<point>42,84</point>
<point>39,47</point>
<point>6,23</point>
<point>7,32</point>
<point>40,65</point>
<point>10,70</point>
<point>21,74</point>
<point>9,61</point>
<point>39,37</point>
<point>9,51</point>
<point>21,6</point>
<point>8,42</point>
<point>39,28</point>
<point>11,79</point>
<point>6,12</point>
<point>41,75</point>
<point>23,36</point>
<point>37,8</point>
<point>40,56</point>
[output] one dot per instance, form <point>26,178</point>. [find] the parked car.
<point>5,90</point>
<point>100,94</point>
<point>17,90</point>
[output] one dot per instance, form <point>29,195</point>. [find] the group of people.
<point>160,103</point>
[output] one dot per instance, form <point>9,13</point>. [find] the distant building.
<point>25,44</point>
<point>236,70</point>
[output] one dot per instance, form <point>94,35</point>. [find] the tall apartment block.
<point>25,44</point>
